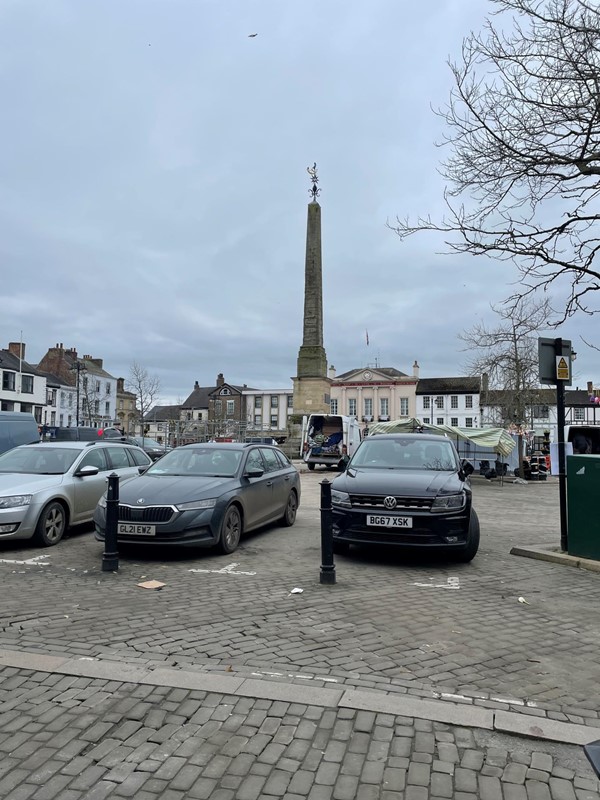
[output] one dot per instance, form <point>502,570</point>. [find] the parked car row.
<point>407,490</point>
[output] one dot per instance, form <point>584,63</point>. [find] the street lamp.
<point>78,367</point>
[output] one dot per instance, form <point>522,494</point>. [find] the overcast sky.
<point>153,185</point>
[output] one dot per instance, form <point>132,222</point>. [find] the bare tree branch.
<point>524,134</point>
<point>146,388</point>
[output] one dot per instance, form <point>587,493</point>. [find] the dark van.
<point>17,428</point>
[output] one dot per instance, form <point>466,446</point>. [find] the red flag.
<point>367,332</point>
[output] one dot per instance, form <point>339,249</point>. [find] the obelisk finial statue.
<point>311,385</point>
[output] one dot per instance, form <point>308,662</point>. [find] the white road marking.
<point>452,583</point>
<point>34,560</point>
<point>295,675</point>
<point>228,570</point>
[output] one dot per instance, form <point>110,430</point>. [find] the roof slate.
<point>466,385</point>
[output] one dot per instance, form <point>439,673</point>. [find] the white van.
<point>328,439</point>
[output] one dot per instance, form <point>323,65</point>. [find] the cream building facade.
<point>374,393</point>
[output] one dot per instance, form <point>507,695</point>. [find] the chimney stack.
<point>331,372</point>
<point>220,379</point>
<point>415,370</point>
<point>17,349</point>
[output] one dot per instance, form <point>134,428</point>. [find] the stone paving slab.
<point>401,625</point>
<point>78,738</point>
<point>556,556</point>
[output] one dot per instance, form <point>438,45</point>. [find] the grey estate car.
<point>206,495</point>
<point>46,487</point>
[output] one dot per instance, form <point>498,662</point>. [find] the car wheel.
<point>291,507</point>
<point>51,525</point>
<point>310,466</point>
<point>231,531</point>
<point>469,551</point>
<point>341,548</point>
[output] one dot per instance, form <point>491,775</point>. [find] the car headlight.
<point>102,501</point>
<point>340,499</point>
<point>197,505</point>
<point>15,501</point>
<point>449,502</point>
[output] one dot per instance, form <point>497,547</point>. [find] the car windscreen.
<point>145,442</point>
<point>405,453</point>
<point>42,460</point>
<point>198,461</point>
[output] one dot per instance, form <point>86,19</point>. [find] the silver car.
<point>47,487</point>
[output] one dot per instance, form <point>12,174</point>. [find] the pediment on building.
<point>370,375</point>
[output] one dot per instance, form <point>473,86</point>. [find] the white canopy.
<point>495,438</point>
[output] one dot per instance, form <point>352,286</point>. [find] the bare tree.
<point>508,356</point>
<point>146,388</point>
<point>524,134</point>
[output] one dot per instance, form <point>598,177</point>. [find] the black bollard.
<point>327,563</point>
<point>110,557</point>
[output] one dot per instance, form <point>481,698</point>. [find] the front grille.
<point>376,501</point>
<point>146,514</point>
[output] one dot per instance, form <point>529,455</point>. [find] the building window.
<point>107,388</point>
<point>439,421</point>
<point>69,421</point>
<point>61,420</point>
<point>258,420</point>
<point>384,406</point>
<point>426,402</point>
<point>439,402</point>
<point>96,406</point>
<point>27,408</point>
<point>541,412</point>
<point>469,422</point>
<point>258,402</point>
<point>8,381</point>
<point>225,391</point>
<point>290,402</point>
<point>274,401</point>
<point>579,414</point>
<point>426,420</point>
<point>200,415</point>
<point>454,422</point>
<point>27,384</point>
<point>7,405</point>
<point>368,407</point>
<point>404,406</point>
<point>453,401</point>
<point>468,401</point>
<point>333,407</point>
<point>85,383</point>
<point>352,407</point>
<point>230,407</point>
<point>70,400</point>
<point>273,420</point>
<point>218,408</point>
<point>97,387</point>
<point>53,418</point>
<point>107,409</point>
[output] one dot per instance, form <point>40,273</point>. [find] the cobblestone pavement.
<point>392,625</point>
<point>74,738</point>
<point>398,624</point>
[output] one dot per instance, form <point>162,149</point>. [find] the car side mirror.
<point>466,467</point>
<point>254,472</point>
<point>84,472</point>
<point>143,468</point>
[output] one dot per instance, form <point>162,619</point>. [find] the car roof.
<point>428,437</point>
<point>79,445</point>
<point>230,445</point>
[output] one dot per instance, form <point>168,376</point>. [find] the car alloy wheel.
<point>51,525</point>
<point>291,507</point>
<point>231,530</point>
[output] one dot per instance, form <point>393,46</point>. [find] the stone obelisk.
<point>311,384</point>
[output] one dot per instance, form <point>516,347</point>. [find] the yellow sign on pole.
<point>562,368</point>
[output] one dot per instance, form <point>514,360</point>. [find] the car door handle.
<point>287,477</point>
<point>269,483</point>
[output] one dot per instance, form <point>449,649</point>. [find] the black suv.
<point>409,490</point>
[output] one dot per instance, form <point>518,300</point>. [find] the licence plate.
<point>389,522</point>
<point>136,530</point>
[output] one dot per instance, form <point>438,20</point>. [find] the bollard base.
<point>327,576</point>
<point>110,563</point>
